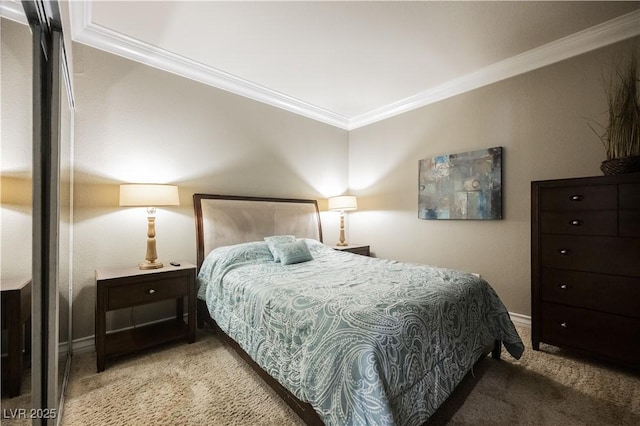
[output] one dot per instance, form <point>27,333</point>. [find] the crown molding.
<point>13,10</point>
<point>606,33</point>
<point>86,32</point>
<point>609,32</point>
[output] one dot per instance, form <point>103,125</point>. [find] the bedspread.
<point>365,341</point>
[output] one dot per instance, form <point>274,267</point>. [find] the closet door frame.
<point>44,20</point>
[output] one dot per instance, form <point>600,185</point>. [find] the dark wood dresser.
<point>585,266</point>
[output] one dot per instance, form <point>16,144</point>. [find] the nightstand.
<point>355,248</point>
<point>16,318</point>
<point>129,287</point>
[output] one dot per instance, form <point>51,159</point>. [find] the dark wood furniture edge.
<point>535,278</point>
<point>589,180</point>
<point>17,313</point>
<point>495,352</point>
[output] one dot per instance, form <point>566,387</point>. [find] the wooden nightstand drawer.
<point>150,290</point>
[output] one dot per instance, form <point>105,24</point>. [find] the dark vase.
<point>621,166</point>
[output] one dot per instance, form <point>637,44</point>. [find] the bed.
<point>344,339</point>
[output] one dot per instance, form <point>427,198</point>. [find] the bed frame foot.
<point>202,314</point>
<point>497,348</point>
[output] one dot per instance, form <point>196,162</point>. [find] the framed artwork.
<point>467,185</point>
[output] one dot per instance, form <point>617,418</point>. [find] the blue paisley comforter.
<point>365,341</point>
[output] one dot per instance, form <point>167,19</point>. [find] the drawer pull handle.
<point>575,222</point>
<point>563,252</point>
<point>563,286</point>
<point>576,198</point>
<point>151,291</point>
<point>563,324</point>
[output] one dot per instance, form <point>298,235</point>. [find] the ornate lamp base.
<point>152,254</point>
<point>151,265</point>
<point>341,241</point>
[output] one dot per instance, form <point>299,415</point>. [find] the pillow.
<point>295,252</point>
<point>276,240</point>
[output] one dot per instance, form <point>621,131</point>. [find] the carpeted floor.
<point>547,387</point>
<point>206,383</point>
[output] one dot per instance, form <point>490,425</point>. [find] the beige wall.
<point>16,148</point>
<point>540,118</point>
<point>137,124</point>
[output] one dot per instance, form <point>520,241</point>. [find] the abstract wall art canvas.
<point>467,185</point>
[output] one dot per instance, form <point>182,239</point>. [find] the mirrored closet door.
<point>16,212</point>
<point>53,194</point>
<point>37,206</point>
<point>65,228</point>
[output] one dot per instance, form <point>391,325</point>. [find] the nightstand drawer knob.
<point>563,324</point>
<point>576,198</point>
<point>151,291</point>
<point>575,222</point>
<point>563,252</point>
<point>563,286</point>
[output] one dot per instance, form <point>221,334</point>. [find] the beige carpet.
<point>547,387</point>
<point>206,383</point>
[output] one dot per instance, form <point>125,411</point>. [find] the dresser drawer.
<point>603,197</point>
<point>587,222</point>
<point>630,223</point>
<point>630,196</point>
<point>612,336</point>
<point>147,291</point>
<point>608,293</point>
<point>608,255</point>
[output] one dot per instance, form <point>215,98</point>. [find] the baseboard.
<point>85,344</point>
<point>519,319</point>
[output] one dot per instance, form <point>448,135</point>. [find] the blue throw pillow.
<point>275,241</point>
<point>296,252</point>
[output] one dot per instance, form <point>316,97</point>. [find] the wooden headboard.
<point>223,220</point>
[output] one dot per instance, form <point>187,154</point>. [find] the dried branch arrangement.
<point>621,136</point>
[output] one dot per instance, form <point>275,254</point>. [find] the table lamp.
<point>343,203</point>
<point>149,196</point>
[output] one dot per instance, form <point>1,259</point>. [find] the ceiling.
<point>350,63</point>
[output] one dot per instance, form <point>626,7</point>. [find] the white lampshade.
<point>149,195</point>
<point>343,203</point>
